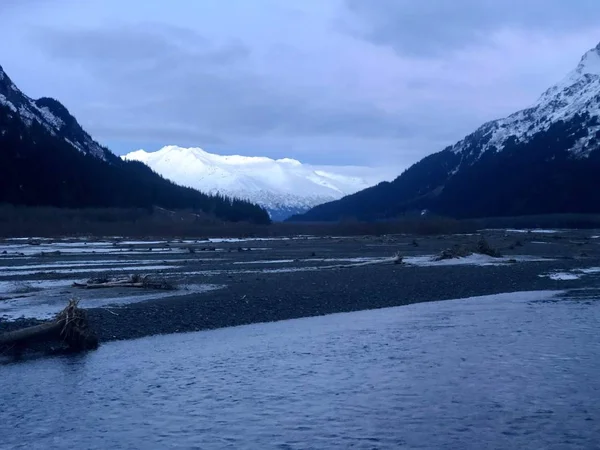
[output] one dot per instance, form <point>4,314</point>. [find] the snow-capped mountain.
<point>577,93</point>
<point>283,186</point>
<point>543,159</point>
<point>50,114</point>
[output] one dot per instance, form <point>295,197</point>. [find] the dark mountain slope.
<point>46,158</point>
<point>542,160</point>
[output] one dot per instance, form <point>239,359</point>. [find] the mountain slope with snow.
<point>543,159</point>
<point>50,114</point>
<point>577,93</point>
<point>282,186</point>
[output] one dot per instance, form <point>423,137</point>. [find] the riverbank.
<point>270,280</point>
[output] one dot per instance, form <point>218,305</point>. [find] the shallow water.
<point>508,371</point>
<point>45,304</point>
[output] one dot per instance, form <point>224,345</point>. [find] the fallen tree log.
<point>108,285</point>
<point>32,334</point>
<point>69,329</point>
<point>133,281</point>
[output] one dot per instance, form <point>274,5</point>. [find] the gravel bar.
<point>263,297</point>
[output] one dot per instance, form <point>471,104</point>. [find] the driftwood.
<point>69,328</point>
<point>133,281</point>
<point>31,334</point>
<point>108,285</point>
<point>457,251</point>
<point>482,248</point>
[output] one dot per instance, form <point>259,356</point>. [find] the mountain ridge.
<point>48,159</point>
<point>508,166</point>
<point>48,112</point>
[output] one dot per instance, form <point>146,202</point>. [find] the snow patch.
<point>274,261</point>
<point>91,264</point>
<point>354,261</point>
<point>532,230</point>
<point>4,101</point>
<point>27,116</point>
<point>562,276</point>
<point>89,269</point>
<point>472,260</point>
<point>360,259</point>
<point>589,270</point>
<point>574,274</point>
<point>50,117</point>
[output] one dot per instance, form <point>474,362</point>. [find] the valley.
<point>299,225</point>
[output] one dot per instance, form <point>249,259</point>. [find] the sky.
<point>381,83</point>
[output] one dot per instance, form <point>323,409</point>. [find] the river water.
<point>508,371</point>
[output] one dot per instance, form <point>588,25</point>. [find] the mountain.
<point>283,186</point>
<point>47,159</point>
<point>49,114</point>
<point>541,160</point>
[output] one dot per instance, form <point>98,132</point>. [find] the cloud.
<point>432,27</point>
<point>131,134</point>
<point>128,46</point>
<point>7,6</point>
<point>179,80</point>
<point>345,81</point>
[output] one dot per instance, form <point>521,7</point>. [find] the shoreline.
<point>246,302</point>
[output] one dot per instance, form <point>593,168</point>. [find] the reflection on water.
<point>497,372</point>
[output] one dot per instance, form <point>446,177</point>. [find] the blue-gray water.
<point>501,372</point>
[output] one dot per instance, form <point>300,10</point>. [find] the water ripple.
<point>505,371</point>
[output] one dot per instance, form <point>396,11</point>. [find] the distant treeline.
<point>573,221</point>
<point>19,221</point>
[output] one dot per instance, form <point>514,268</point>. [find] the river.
<point>508,371</point>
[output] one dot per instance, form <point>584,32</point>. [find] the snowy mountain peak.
<point>7,87</point>
<point>196,156</point>
<point>283,186</point>
<point>293,162</point>
<point>48,113</point>
<point>590,62</point>
<point>577,94</point>
<point>544,159</point>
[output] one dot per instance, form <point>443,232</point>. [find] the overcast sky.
<point>372,82</point>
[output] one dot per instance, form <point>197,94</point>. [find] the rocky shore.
<point>307,277</point>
